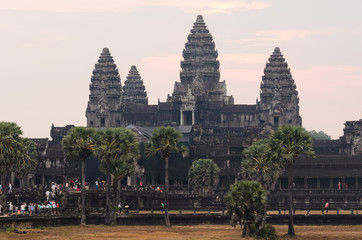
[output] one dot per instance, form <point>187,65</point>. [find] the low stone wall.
<point>187,219</point>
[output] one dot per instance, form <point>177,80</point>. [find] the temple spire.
<point>279,101</point>
<point>105,92</point>
<point>200,67</point>
<point>133,89</point>
<point>200,56</point>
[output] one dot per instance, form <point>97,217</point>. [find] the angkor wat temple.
<point>212,124</point>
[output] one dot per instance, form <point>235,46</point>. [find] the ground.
<point>101,232</point>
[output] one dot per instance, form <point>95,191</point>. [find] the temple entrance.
<point>276,121</point>
<point>187,118</point>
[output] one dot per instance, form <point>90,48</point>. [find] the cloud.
<point>276,35</point>
<point>244,58</point>
<point>190,6</point>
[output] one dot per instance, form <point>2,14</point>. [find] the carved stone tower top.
<point>105,92</point>
<point>133,89</point>
<point>279,101</point>
<point>200,67</point>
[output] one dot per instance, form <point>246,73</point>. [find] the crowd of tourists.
<point>27,209</point>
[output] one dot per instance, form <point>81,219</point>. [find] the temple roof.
<point>238,108</point>
<point>200,69</point>
<point>133,89</point>
<point>105,87</point>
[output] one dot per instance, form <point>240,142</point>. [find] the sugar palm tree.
<point>115,144</point>
<point>286,144</point>
<point>27,160</point>
<point>11,148</point>
<point>246,200</point>
<point>164,141</point>
<point>119,168</point>
<point>79,143</point>
<point>258,165</point>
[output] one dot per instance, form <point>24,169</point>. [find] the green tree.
<point>258,165</point>
<point>246,201</point>
<point>119,169</point>
<point>79,143</point>
<point>319,135</point>
<point>164,141</point>
<point>115,144</point>
<point>286,144</point>
<point>10,148</point>
<point>203,175</point>
<point>27,161</point>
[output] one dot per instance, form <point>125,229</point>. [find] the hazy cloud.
<point>192,6</point>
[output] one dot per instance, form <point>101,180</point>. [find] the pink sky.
<point>49,48</point>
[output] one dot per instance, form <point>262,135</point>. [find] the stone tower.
<point>133,89</point>
<point>105,94</point>
<point>199,88</point>
<point>279,101</point>
<point>200,73</point>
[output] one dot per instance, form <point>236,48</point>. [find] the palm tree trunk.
<point>107,219</point>
<point>290,189</point>
<point>118,190</point>
<point>82,216</point>
<point>167,218</point>
<point>4,192</point>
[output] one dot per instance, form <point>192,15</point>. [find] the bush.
<point>268,232</point>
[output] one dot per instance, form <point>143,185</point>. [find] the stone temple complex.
<point>213,126</point>
<point>198,99</point>
<point>217,127</point>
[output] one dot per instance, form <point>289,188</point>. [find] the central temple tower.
<point>200,87</point>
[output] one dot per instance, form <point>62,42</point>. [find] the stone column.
<point>331,183</point>
<point>343,183</point>
<point>356,182</point>
<point>318,183</point>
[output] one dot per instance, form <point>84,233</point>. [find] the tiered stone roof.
<point>105,87</point>
<point>200,67</point>
<point>277,76</point>
<point>133,89</point>
<point>279,101</point>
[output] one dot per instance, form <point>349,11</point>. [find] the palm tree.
<point>115,144</point>
<point>258,165</point>
<point>286,144</point>
<point>119,168</point>
<point>204,174</point>
<point>164,141</point>
<point>11,148</point>
<point>27,160</point>
<point>246,201</point>
<point>79,143</point>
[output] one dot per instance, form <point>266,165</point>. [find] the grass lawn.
<point>100,232</point>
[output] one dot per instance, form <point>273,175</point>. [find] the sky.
<point>48,50</point>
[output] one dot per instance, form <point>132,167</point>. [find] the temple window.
<point>103,122</point>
